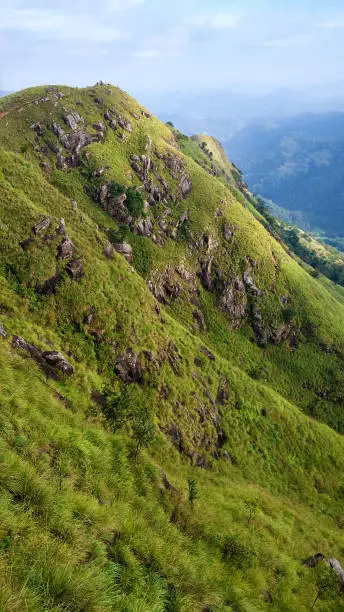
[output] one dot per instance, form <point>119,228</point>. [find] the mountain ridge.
<point>177,463</point>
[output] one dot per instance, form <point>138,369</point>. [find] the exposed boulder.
<point>108,251</point>
<point>234,301</point>
<point>174,164</point>
<point>144,228</point>
<point>72,120</point>
<point>2,331</point>
<point>249,284</point>
<point>49,286</point>
<point>337,568</point>
<point>37,127</point>
<point>205,273</point>
<point>128,367</point>
<point>51,363</point>
<point>65,249</point>
<point>61,227</point>
<point>124,124</point>
<point>41,226</point>
<point>228,231</point>
<point>124,249</point>
<point>164,285</point>
<point>185,186</point>
<point>99,126</point>
<point>75,269</point>
<point>58,362</point>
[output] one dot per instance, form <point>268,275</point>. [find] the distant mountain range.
<point>297,163</point>
<point>221,113</point>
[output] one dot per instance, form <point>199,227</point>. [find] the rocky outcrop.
<point>114,205</point>
<point>72,120</point>
<point>2,332</point>
<point>331,562</point>
<point>124,124</point>
<point>205,273</point>
<point>74,269</point>
<point>128,367</point>
<point>52,363</point>
<point>234,301</point>
<point>174,164</point>
<point>65,249</point>
<point>164,285</point>
<point>144,228</point>
<point>73,142</point>
<point>249,284</point>
<point>41,226</point>
<point>124,249</point>
<point>49,286</point>
<point>109,251</point>
<point>184,187</point>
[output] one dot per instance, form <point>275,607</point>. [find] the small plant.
<point>192,490</point>
<point>236,552</point>
<point>252,508</point>
<point>326,582</point>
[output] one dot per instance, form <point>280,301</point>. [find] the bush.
<point>134,202</point>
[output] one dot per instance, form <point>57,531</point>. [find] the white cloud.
<point>53,24</point>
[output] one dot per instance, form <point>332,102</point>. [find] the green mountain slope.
<point>165,366</point>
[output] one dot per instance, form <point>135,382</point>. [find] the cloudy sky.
<point>152,45</point>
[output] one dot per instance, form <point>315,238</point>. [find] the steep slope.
<point>159,350</point>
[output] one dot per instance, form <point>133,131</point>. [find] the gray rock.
<point>51,363</point>
<point>124,124</point>
<point>174,164</point>
<point>249,284</point>
<point>337,568</point>
<point>37,127</point>
<point>49,286</point>
<point>58,362</point>
<point>234,301</point>
<point>41,226</point>
<point>124,249</point>
<point>113,124</point>
<point>72,120</point>
<point>99,126</point>
<point>205,273</point>
<point>146,164</point>
<point>128,367</point>
<point>144,228</point>
<point>108,251</point>
<point>207,353</point>
<point>61,227</point>
<point>2,331</point>
<point>65,249</point>
<point>74,269</point>
<point>228,231</point>
<point>185,186</point>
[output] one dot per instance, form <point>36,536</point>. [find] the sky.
<point>169,45</point>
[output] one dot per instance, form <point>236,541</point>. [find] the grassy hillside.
<point>165,368</point>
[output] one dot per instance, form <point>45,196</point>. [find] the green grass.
<point>86,523</point>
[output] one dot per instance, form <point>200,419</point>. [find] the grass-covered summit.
<point>172,380</point>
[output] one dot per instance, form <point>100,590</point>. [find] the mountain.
<point>171,377</point>
<point>295,163</point>
<point>224,112</point>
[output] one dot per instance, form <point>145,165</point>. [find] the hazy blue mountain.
<point>297,163</point>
